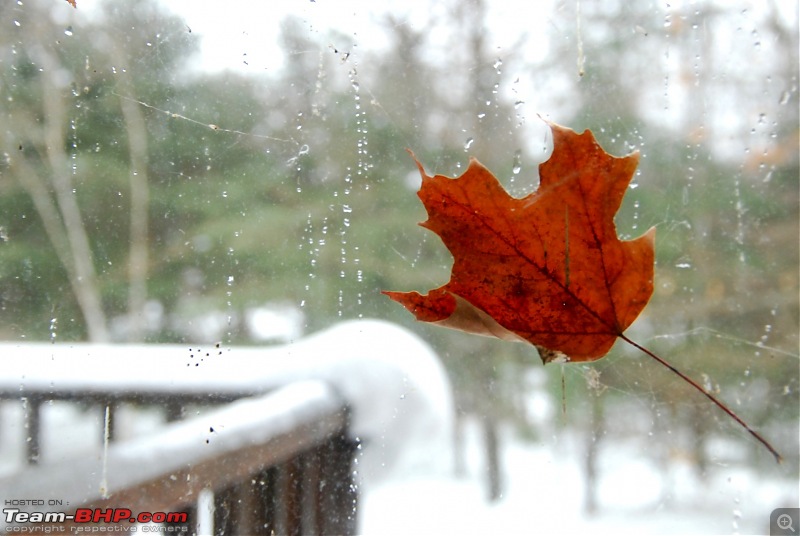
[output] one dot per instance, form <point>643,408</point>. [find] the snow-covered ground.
<point>544,494</point>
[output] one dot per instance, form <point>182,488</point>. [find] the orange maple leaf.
<point>548,268</point>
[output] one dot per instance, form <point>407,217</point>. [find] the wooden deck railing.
<point>270,454</point>
<point>279,463</point>
<point>251,440</point>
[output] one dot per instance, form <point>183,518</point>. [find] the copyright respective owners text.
<point>54,516</point>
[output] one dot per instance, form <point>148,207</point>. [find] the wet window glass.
<point>201,204</point>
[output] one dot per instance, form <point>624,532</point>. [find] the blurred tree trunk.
<point>699,423</point>
<point>59,211</point>
<point>459,444</point>
<point>491,441</point>
<point>140,197</point>
<point>592,449</point>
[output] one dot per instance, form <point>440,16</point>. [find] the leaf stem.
<point>708,395</point>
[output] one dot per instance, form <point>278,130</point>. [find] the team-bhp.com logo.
<point>92,516</point>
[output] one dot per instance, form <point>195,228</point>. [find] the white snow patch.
<point>544,494</point>
<point>282,322</point>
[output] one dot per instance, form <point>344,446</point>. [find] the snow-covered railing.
<point>266,470</point>
<point>276,445</point>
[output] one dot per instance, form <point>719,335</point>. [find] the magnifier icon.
<point>785,522</point>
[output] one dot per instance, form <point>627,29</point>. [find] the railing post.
<point>268,491</point>
<point>110,421</point>
<point>33,425</point>
<point>312,474</point>
<point>173,409</point>
<point>338,489</point>
<point>225,511</point>
<point>289,487</point>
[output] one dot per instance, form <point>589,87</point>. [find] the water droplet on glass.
<point>53,328</point>
<point>517,165</point>
<point>68,31</point>
<point>737,515</point>
<point>707,383</point>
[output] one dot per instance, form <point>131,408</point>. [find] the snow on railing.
<point>280,451</point>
